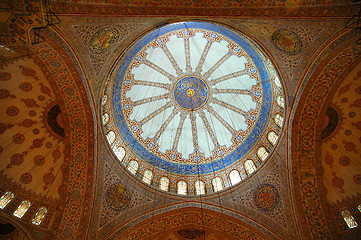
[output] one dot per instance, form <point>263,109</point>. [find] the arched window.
<point>147,177</point>
<point>164,184</point>
<point>272,137</point>
<point>281,101</point>
<point>5,199</point>
<point>351,223</point>
<point>104,99</point>
<point>39,216</point>
<point>217,184</point>
<point>119,152</point>
<point>277,81</point>
<point>21,210</point>
<point>182,188</point>
<point>262,153</point>
<point>249,166</point>
<point>235,177</point>
<point>279,120</point>
<point>105,118</point>
<point>111,137</point>
<point>133,167</point>
<point>200,187</point>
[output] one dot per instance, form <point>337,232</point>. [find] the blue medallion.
<point>190,93</point>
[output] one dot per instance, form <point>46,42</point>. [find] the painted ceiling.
<point>32,130</point>
<point>196,99</point>
<point>113,83</point>
<point>341,140</point>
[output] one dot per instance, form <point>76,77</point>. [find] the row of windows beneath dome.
<point>249,165</point>
<point>261,152</point>
<point>217,182</point>
<point>23,208</point>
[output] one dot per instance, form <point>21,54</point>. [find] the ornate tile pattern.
<point>99,40</point>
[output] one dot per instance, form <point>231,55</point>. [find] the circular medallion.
<point>118,197</point>
<point>192,98</point>
<point>266,197</point>
<point>4,76</point>
<point>39,160</point>
<point>287,41</point>
<point>12,111</point>
<point>26,178</point>
<point>103,40</point>
<point>190,93</point>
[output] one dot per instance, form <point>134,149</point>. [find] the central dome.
<point>191,100</point>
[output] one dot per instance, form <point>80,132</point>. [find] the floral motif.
<point>266,197</point>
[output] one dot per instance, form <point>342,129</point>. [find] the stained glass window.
<point>279,120</point>
<point>272,137</point>
<point>111,137</point>
<point>39,216</point>
<point>119,152</point>
<point>351,223</point>
<point>359,207</point>
<point>281,101</point>
<point>133,167</point>
<point>200,187</point>
<point>5,199</point>
<point>164,184</point>
<point>5,51</point>
<point>262,153</point>
<point>249,166</point>
<point>105,118</point>
<point>235,177</point>
<point>21,210</point>
<point>182,188</point>
<point>147,177</point>
<point>217,184</point>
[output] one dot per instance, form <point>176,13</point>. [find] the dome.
<point>193,108</point>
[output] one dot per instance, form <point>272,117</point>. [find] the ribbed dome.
<point>192,100</point>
